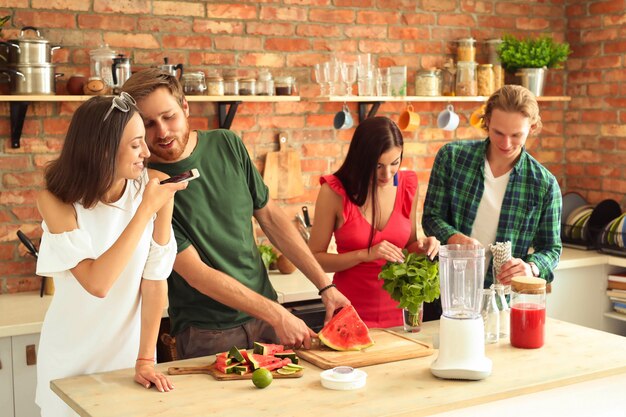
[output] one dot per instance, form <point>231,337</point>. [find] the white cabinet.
<point>6,377</point>
<point>18,376</point>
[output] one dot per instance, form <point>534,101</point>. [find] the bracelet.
<point>145,359</point>
<point>326,288</point>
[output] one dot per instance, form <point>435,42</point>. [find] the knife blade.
<point>301,220</point>
<point>305,213</point>
<point>33,251</point>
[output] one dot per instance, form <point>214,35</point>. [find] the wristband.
<point>326,288</point>
<point>145,359</point>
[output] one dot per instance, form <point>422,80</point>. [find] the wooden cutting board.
<point>389,346</point>
<point>283,173</point>
<point>211,370</point>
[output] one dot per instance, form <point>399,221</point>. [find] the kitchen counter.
<point>572,355</point>
<point>22,313</point>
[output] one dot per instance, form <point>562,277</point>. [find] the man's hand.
<point>461,239</point>
<point>292,331</point>
<point>514,267</point>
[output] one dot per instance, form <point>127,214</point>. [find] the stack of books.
<point>616,290</point>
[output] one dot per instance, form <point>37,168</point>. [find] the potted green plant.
<point>529,58</point>
<point>411,283</point>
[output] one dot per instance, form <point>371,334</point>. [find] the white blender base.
<point>461,350</point>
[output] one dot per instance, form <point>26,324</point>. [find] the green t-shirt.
<point>214,215</point>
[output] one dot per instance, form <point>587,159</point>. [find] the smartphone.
<point>192,174</point>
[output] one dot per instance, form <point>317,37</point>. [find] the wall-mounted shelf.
<point>616,316</point>
<point>227,107</point>
<point>376,101</point>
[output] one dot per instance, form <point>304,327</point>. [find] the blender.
<point>461,330</point>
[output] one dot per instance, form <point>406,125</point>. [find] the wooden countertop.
<point>22,313</point>
<point>572,354</point>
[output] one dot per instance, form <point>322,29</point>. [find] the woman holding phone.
<point>369,205</point>
<point>107,242</point>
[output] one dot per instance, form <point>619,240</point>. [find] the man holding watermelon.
<point>219,292</point>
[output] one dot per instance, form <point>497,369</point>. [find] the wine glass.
<point>322,76</point>
<point>334,71</point>
<point>348,75</point>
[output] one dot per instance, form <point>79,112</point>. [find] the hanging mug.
<point>343,119</point>
<point>448,119</point>
<point>409,121</point>
<point>476,119</point>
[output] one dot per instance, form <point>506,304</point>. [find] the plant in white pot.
<point>411,283</point>
<point>529,58</point>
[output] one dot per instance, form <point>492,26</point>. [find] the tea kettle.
<point>121,72</point>
<point>170,68</point>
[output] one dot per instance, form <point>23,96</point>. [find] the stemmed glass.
<point>334,70</point>
<point>348,75</point>
<point>322,77</point>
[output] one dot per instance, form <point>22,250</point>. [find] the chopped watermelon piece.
<point>260,361</point>
<point>267,348</point>
<point>226,369</point>
<point>235,354</point>
<point>346,331</point>
<point>287,354</point>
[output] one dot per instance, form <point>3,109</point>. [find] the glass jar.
<point>247,87</point>
<point>503,308</point>
<point>466,84</point>
<point>215,85</point>
<point>428,83</point>
<point>231,85</point>
<point>493,46</point>
<point>193,83</point>
<point>485,78</point>
<point>491,316</point>
<point>265,83</point>
<point>466,51</point>
<point>284,85</point>
<point>448,78</point>
<point>528,312</point>
<point>101,64</point>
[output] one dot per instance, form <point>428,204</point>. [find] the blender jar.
<point>101,63</point>
<point>462,275</point>
<point>528,312</point>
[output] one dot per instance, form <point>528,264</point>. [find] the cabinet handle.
<point>0,364</point>
<point>31,355</point>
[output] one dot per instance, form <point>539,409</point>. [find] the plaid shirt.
<point>531,209</point>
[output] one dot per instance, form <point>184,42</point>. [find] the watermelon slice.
<point>260,361</point>
<point>267,348</point>
<point>346,331</point>
<point>287,354</point>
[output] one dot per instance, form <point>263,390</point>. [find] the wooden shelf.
<point>426,99</point>
<point>215,99</point>
<point>615,315</point>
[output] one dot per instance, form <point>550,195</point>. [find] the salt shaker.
<point>491,316</point>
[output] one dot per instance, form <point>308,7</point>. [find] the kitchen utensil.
<point>28,50</point>
<point>33,251</point>
<point>448,119</point>
<point>343,119</point>
<point>282,173</point>
<point>305,214</point>
<point>461,328</point>
<point>120,70</point>
<point>389,346</point>
<point>220,376</point>
<point>409,121</point>
<point>301,220</point>
<point>32,79</point>
<point>343,378</point>
<point>171,68</point>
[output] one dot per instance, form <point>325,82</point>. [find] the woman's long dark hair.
<point>358,174</point>
<point>85,169</point>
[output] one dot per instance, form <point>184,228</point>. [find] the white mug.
<point>343,119</point>
<point>448,119</point>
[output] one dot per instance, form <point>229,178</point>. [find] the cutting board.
<point>283,173</point>
<point>389,346</point>
<point>211,370</point>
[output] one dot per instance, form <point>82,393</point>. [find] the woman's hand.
<point>145,375</point>
<point>429,246</point>
<point>156,195</point>
<point>384,250</point>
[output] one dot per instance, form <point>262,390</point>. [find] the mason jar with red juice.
<point>528,312</point>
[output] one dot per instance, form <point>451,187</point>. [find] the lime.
<point>262,378</point>
<point>286,371</point>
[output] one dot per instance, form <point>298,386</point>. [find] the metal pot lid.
<point>23,39</point>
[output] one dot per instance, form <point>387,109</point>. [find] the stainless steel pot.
<point>31,51</point>
<point>31,79</point>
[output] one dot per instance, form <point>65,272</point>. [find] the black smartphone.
<point>192,174</point>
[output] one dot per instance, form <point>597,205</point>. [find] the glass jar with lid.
<point>265,83</point>
<point>493,46</point>
<point>428,83</point>
<point>284,85</point>
<point>466,84</point>
<point>485,78</point>
<point>231,85</point>
<point>193,83</point>
<point>247,87</point>
<point>215,85</point>
<point>528,312</point>
<point>466,50</point>
<point>101,64</point>
<point>448,78</point>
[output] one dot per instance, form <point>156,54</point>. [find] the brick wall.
<point>288,36</point>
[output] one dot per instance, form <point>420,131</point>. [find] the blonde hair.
<point>514,99</point>
<point>143,83</point>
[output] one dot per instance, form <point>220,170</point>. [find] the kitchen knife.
<point>33,251</point>
<point>301,220</point>
<point>305,213</point>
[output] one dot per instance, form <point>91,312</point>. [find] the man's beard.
<point>173,154</point>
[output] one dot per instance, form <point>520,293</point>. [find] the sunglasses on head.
<point>123,102</point>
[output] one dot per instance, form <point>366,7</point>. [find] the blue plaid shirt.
<point>531,209</point>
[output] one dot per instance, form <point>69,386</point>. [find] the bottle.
<point>504,310</point>
<point>528,312</point>
<point>491,316</point>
